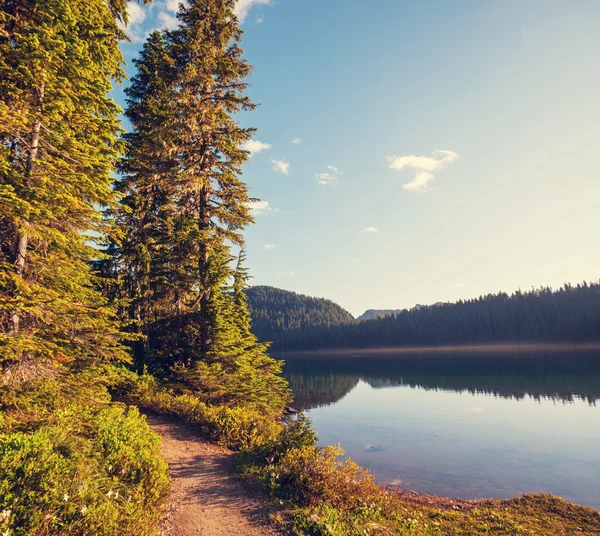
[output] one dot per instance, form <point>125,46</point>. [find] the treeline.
<point>569,314</point>
<point>277,313</point>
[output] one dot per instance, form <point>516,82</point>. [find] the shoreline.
<point>508,348</point>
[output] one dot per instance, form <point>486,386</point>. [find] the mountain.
<point>282,316</point>
<point>370,314</point>
<point>570,314</point>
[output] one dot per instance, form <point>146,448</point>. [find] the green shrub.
<point>236,427</point>
<point>93,471</point>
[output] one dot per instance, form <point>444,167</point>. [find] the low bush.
<point>89,468</point>
<point>236,427</point>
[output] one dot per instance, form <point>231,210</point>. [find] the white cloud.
<point>243,7</point>
<point>259,20</point>
<point>281,166</point>
<point>424,167</point>
<point>297,141</point>
<point>329,176</point>
<point>370,230</point>
<point>173,5</point>
<point>258,208</point>
<point>269,246</point>
<point>167,21</point>
<point>254,146</point>
<point>419,183</point>
<point>136,13</point>
<point>287,273</point>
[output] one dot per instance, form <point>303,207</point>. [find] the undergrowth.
<point>73,463</point>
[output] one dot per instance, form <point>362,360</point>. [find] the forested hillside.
<point>281,315</point>
<point>569,314</point>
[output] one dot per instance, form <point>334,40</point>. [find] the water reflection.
<point>466,426</point>
<point>318,380</point>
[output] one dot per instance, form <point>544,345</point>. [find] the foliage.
<point>184,208</point>
<point>569,314</point>
<point>240,427</point>
<point>58,146</point>
<point>69,467</point>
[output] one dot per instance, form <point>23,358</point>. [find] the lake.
<point>466,425</point>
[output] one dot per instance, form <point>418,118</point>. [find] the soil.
<point>206,498</point>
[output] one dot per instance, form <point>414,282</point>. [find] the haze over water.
<point>461,425</point>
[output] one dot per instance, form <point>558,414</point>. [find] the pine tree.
<point>58,145</point>
<point>236,369</point>
<point>213,203</point>
<point>185,208</point>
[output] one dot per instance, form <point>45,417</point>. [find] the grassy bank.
<point>323,494</point>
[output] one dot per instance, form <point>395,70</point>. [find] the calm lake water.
<point>465,426</point>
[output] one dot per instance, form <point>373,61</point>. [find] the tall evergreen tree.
<point>185,208</point>
<point>58,145</point>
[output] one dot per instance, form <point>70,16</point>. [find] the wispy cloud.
<point>281,166</point>
<point>254,146</point>
<point>243,7</point>
<point>136,13</point>
<point>269,246</point>
<point>258,208</point>
<point>167,21</point>
<point>329,176</point>
<point>259,20</point>
<point>173,5</point>
<point>424,166</point>
<point>297,141</point>
<point>369,230</point>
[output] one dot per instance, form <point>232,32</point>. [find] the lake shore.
<point>483,349</point>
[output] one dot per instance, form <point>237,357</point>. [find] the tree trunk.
<point>22,240</point>
<point>204,221</point>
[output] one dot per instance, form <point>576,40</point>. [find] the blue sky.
<point>419,151</point>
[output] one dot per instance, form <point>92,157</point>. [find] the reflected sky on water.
<point>462,426</point>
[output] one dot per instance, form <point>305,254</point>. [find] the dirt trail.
<point>206,498</point>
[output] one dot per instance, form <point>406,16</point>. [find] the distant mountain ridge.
<point>569,314</point>
<point>371,314</point>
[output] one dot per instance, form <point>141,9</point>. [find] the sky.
<point>418,151</point>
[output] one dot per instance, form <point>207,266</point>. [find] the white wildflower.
<point>66,497</point>
<point>110,493</point>
<point>5,514</point>
<point>83,510</point>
